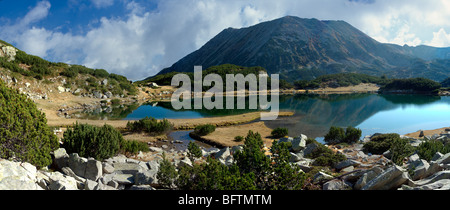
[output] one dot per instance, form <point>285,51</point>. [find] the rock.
<point>107,168</point>
<point>421,133</point>
<point>18,176</point>
<point>94,169</point>
<point>434,178</point>
<point>310,148</point>
<point>346,163</point>
<point>61,89</point>
<point>185,162</point>
<point>97,94</point>
<point>319,176</point>
<point>145,178</point>
<point>443,184</point>
<point>336,185</point>
<point>9,52</point>
<point>59,181</point>
<point>60,158</point>
<point>299,143</point>
<point>141,187</point>
<point>125,179</point>
<point>286,139</point>
<point>90,185</point>
<point>77,164</point>
<point>108,94</point>
<point>419,168</point>
<point>223,153</point>
<point>105,82</point>
<point>444,159</point>
<point>67,171</point>
<point>391,178</point>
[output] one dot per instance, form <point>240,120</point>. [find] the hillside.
<point>37,77</point>
<point>299,48</point>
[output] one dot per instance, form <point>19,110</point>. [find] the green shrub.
<point>399,148</point>
<point>167,173</point>
<point>194,150</point>
<point>24,133</point>
<point>427,149</point>
<point>335,135</point>
<point>415,84</point>
<point>133,146</point>
<point>92,141</point>
<point>352,135</point>
<point>324,156</point>
<point>150,125</point>
<point>203,130</point>
<point>279,132</point>
<point>380,143</point>
<point>238,138</point>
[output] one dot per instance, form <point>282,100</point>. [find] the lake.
<point>315,114</point>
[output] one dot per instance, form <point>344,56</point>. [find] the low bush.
<point>399,148</point>
<point>324,156</point>
<point>92,141</point>
<point>428,149</point>
<point>279,132</point>
<point>150,125</point>
<point>203,130</point>
<point>194,150</point>
<point>133,146</point>
<point>338,135</point>
<point>24,133</point>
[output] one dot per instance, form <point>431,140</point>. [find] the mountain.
<point>298,48</point>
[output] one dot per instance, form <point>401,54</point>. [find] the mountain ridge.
<point>299,48</point>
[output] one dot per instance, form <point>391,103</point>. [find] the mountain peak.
<point>304,48</point>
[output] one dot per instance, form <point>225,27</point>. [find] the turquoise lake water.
<point>315,114</point>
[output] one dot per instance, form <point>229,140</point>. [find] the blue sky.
<point>137,38</point>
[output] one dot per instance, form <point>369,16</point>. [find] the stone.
<point>286,139</point>
<point>107,168</point>
<point>319,176</point>
<point>346,163</point>
<point>223,153</point>
<point>60,158</point>
<point>145,178</point>
<point>299,143</point>
<point>391,178</point>
<point>419,168</point>
<point>61,89</point>
<point>59,181</point>
<point>90,185</point>
<point>141,187</point>
<point>310,148</point>
<point>444,159</point>
<point>185,162</point>
<point>94,169</point>
<point>77,164</point>
<point>18,176</point>
<point>9,52</point>
<point>126,179</point>
<point>434,178</point>
<point>336,185</point>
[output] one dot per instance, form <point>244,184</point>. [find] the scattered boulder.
<point>299,143</point>
<point>391,178</point>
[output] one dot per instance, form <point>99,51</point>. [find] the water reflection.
<point>315,114</point>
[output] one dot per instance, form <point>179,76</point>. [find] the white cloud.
<point>102,3</point>
<point>440,39</point>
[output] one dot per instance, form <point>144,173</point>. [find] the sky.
<point>138,38</point>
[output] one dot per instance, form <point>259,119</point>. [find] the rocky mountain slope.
<point>306,48</point>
